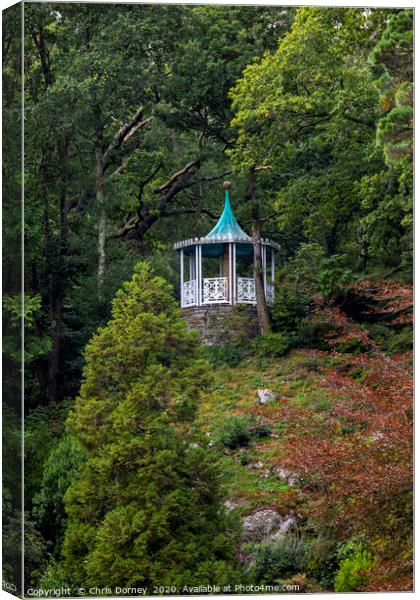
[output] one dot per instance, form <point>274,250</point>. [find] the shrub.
<point>320,560</point>
<point>261,430</point>
<point>334,277</point>
<point>354,570</point>
<point>271,344</point>
<point>402,341</point>
<point>390,340</point>
<point>274,561</point>
<point>314,334</point>
<point>234,432</point>
<point>291,305</point>
<point>229,354</point>
<point>59,471</point>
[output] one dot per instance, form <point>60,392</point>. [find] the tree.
<point>308,117</point>
<point>147,506</point>
<point>387,225</point>
<point>355,459</point>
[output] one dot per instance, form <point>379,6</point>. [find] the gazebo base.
<point>220,324</point>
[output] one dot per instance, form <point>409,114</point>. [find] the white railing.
<point>245,291</point>
<point>214,290</point>
<point>269,293</point>
<point>189,297</point>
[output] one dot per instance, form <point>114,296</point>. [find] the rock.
<point>286,476</point>
<point>229,505</point>
<point>288,522</point>
<point>265,525</point>
<point>265,396</point>
<point>259,467</point>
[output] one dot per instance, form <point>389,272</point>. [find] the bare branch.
<point>123,135</point>
<point>187,211</point>
<point>177,176</point>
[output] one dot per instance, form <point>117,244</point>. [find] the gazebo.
<point>218,269</point>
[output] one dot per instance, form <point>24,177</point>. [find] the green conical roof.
<point>227,227</point>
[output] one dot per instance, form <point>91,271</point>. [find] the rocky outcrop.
<point>266,525</point>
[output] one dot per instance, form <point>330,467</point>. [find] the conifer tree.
<point>147,508</point>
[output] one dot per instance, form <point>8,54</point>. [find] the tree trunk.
<point>102,222</point>
<point>262,308</point>
<point>58,284</point>
<point>53,358</point>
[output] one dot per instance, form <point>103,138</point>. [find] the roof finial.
<point>227,228</point>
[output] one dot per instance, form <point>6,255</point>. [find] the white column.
<point>234,275</point>
<point>191,266</point>
<point>273,262</point>
<point>264,266</point>
<point>181,264</point>
<point>199,274</point>
<point>230,275</point>
<point>196,277</point>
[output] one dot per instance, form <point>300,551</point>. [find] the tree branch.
<point>176,176</point>
<point>187,211</point>
<point>123,134</point>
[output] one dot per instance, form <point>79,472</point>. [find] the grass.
<point>296,378</point>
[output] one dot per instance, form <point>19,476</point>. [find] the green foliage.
<point>391,340</point>
<point>321,122</point>
<point>146,506</point>
<point>11,493</point>
<point>271,344</point>
<point>334,277</point>
<point>35,550</point>
<point>60,469</point>
<point>261,430</point>
<point>43,428</point>
<point>401,341</point>
<point>28,310</point>
<point>234,432</point>
<point>274,561</point>
<point>164,523</point>
<point>229,354</point>
<point>320,560</point>
<point>144,360</point>
<point>393,55</point>
<point>322,110</point>
<point>354,568</point>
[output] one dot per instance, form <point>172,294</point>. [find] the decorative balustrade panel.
<point>189,293</point>
<point>214,290</point>
<point>269,294</point>
<point>245,290</point>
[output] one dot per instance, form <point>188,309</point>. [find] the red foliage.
<point>339,329</point>
<point>355,459</point>
<point>393,300</point>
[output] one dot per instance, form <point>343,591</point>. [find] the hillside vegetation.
<point>333,450</point>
